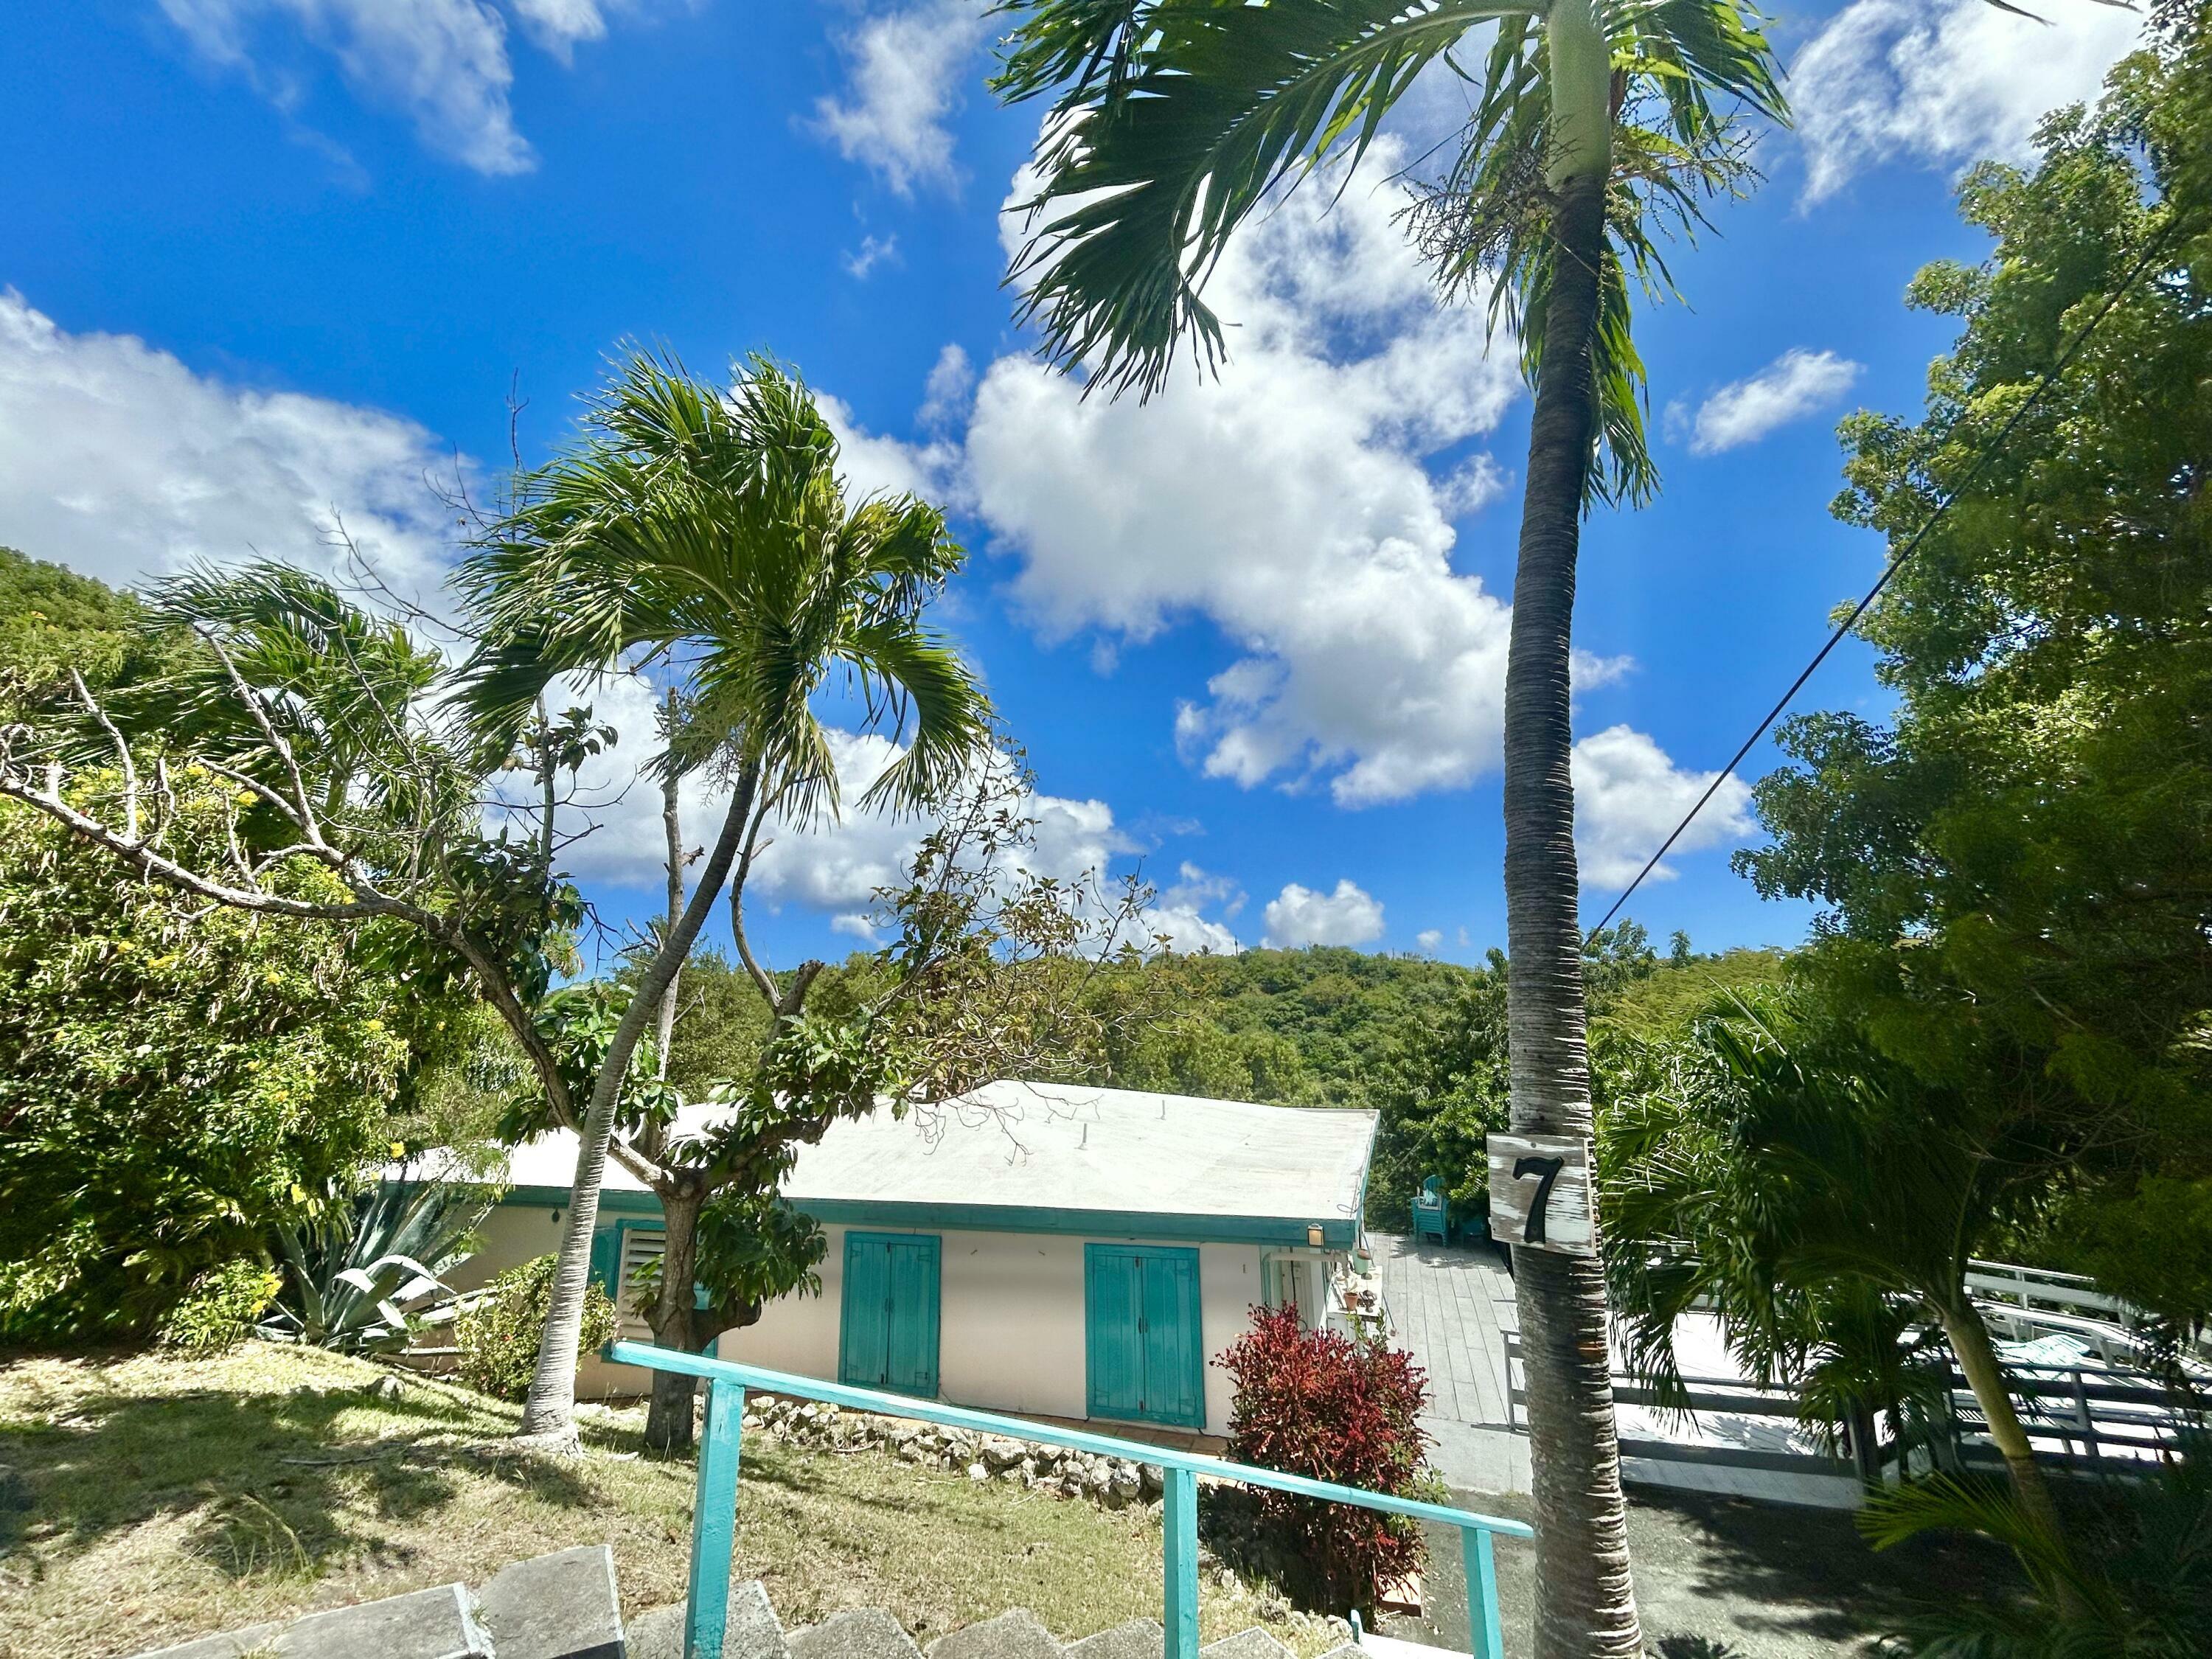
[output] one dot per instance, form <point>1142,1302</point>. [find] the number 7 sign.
<point>1540,1192</point>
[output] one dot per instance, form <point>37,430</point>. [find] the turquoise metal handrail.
<point>714,1506</point>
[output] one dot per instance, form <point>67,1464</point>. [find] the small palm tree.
<point>707,530</point>
<point>1797,1182</point>
<point>1596,119</point>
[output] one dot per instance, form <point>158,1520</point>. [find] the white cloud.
<point>904,70</point>
<point>558,25</point>
<point>869,463</point>
<point>1793,386</point>
<point>1628,795</point>
<point>1178,913</point>
<point>120,461</point>
<point>1430,939</point>
<point>1298,916</point>
<point>443,63</point>
<point>1290,501</point>
<point>872,252</point>
<point>1944,84</point>
<point>951,393</point>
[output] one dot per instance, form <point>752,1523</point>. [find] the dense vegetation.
<point>178,1079</point>
<point>2013,866</point>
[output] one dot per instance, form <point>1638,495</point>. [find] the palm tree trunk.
<point>549,1413</point>
<point>668,1423</point>
<point>1978,1358</point>
<point>671,828</point>
<point>1585,1597</point>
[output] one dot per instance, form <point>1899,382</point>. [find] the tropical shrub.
<point>498,1335</point>
<point>1318,1404</point>
<point>2134,1580</point>
<point>218,1311</point>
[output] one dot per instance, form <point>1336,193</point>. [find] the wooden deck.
<point>1452,1308</point>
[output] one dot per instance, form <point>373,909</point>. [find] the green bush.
<point>498,1337</point>
<point>219,1308</point>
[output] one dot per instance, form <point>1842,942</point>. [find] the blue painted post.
<point>1179,1562</point>
<point>1486,1633</point>
<point>714,1521</point>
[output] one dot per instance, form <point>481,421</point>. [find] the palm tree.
<point>1821,1199</point>
<point>1175,119</point>
<point>707,531</point>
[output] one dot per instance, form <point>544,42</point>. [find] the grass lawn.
<point>169,1498</point>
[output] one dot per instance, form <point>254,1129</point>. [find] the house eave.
<point>1339,1232</point>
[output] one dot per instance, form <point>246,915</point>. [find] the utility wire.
<point>1981,463</point>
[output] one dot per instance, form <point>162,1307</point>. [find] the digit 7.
<point>1546,1171</point>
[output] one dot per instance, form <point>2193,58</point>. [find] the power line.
<point>1981,462</point>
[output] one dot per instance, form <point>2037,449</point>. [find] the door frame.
<point>1194,1314</point>
<point>936,1243</point>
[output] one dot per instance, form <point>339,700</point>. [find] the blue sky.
<point>263,261</point>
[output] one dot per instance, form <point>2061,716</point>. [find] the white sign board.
<point>1540,1192</point>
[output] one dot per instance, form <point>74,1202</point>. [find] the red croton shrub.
<point>1318,1404</point>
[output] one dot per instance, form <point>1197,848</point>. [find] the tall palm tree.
<point>1174,120</point>
<point>707,530</point>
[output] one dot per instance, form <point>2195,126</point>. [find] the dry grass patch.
<point>169,1498</point>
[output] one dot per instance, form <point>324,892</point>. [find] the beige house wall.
<point>1011,1315</point>
<point>1011,1321</point>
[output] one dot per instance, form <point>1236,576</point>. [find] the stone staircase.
<point>755,1632</point>
<point>565,1605</point>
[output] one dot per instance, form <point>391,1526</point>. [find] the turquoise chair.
<point>1432,1213</point>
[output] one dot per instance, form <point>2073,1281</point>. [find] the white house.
<point>1044,1249</point>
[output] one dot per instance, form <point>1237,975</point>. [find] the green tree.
<point>178,1079</point>
<point>709,530</point>
<point>1175,120</point>
<point>296,760</point>
<point>52,621</point>
<point>2014,865</point>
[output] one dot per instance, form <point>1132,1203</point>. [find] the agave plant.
<point>355,1272</point>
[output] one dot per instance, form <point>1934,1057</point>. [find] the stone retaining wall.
<point>1113,1482</point>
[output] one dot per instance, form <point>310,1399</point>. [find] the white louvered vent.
<point>639,1247</point>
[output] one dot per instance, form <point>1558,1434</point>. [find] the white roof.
<point>1065,1146</point>
<point>1061,1147</point>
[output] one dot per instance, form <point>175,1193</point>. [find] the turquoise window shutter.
<point>889,1317</point>
<point>1143,1352</point>
<point>606,1258</point>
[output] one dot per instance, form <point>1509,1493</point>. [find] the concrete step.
<point>753,1631</point>
<point>431,1623</point>
<point>1392,1647</point>
<point>563,1606</point>
<point>1140,1638</point>
<point>857,1633</point>
<point>1015,1634</point>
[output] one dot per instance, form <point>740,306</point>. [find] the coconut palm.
<point>707,530</point>
<point>1174,120</point>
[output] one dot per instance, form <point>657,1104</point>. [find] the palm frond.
<point>710,529</point>
<point>1199,111</point>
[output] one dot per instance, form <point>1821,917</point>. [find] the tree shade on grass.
<point>176,1498</point>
